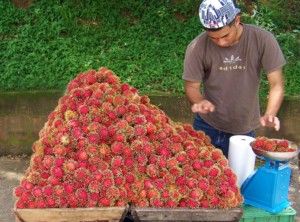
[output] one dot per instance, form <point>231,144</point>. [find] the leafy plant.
<point>143,41</point>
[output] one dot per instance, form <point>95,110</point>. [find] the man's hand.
<point>270,121</point>
<point>203,107</point>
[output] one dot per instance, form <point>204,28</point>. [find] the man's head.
<point>221,20</point>
<point>216,14</point>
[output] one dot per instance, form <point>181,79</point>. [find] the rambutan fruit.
<point>181,157</point>
<point>50,202</point>
<point>130,178</point>
<point>58,190</point>
<point>191,183</point>
<point>105,202</point>
<point>139,130</point>
<point>142,203</point>
<point>37,192</point>
<point>211,191</point>
<point>214,201</point>
<point>80,174</point>
<point>165,152</point>
<point>171,203</point>
<point>157,202</point>
<point>176,147</point>
<point>94,160</point>
<point>204,202</point>
<point>119,181</point>
<point>148,184</point>
<point>176,171</point>
<point>69,114</point>
<point>214,171</point>
<point>181,180</point>
<point>117,148</point>
<point>120,137</point>
<point>27,185</point>
<point>112,115</point>
<point>172,162</point>
<point>104,150</point>
<point>203,184</point>
<point>129,162</point>
<point>82,155</point>
<point>90,78</point>
<point>196,194</point>
<point>113,193</point>
<point>192,203</point>
<point>107,183</point>
<point>59,161</point>
<point>152,193</point>
<point>141,159</point>
<point>81,194</point>
<point>40,203</point>
<point>18,191</point>
<point>192,153</point>
<point>269,145</point>
<point>48,190</point>
<point>197,164</point>
<point>216,154</point>
<point>52,180</point>
<point>93,196</point>
<point>68,188</point>
<point>127,152</point>
<point>70,166</point>
<point>124,87</point>
<point>208,163</point>
<point>83,109</point>
<point>77,133</point>
<point>117,161</point>
<point>93,138</point>
<point>48,161</point>
<point>144,99</point>
<point>161,162</point>
<point>57,172</point>
<point>31,204</point>
<point>72,200</point>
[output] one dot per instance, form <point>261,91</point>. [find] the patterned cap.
<point>217,13</point>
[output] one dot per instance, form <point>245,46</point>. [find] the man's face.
<point>224,37</point>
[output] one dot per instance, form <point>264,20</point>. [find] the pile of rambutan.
<point>105,145</point>
<point>272,145</point>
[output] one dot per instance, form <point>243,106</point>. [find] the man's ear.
<point>237,20</point>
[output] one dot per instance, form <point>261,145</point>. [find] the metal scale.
<point>267,187</point>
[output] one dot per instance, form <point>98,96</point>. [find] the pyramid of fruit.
<point>105,145</point>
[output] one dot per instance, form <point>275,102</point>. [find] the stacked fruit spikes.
<point>105,145</point>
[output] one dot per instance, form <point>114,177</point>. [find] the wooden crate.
<point>107,214</point>
<point>186,214</point>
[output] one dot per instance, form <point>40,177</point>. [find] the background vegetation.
<point>47,44</point>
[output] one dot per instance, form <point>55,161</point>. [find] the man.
<point>222,71</point>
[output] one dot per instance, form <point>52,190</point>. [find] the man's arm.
<point>276,95</point>
<point>194,96</point>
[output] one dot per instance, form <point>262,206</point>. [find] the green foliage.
<point>142,41</point>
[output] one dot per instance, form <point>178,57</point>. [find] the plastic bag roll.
<point>241,157</point>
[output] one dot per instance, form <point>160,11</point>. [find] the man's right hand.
<point>203,107</point>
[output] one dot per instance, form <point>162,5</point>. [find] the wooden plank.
<point>186,214</point>
<point>72,214</point>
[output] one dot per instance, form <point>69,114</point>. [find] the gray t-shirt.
<point>231,76</point>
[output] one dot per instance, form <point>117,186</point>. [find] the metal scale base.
<point>267,187</point>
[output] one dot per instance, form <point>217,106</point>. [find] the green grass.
<point>142,41</point>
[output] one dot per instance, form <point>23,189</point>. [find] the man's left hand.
<point>270,121</point>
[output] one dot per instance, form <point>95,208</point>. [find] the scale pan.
<point>278,156</point>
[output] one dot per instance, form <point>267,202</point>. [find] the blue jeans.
<point>218,138</point>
